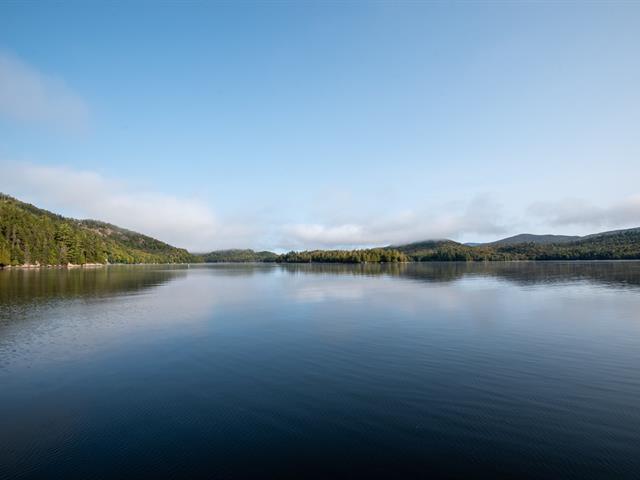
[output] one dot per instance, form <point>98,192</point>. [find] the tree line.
<point>370,255</point>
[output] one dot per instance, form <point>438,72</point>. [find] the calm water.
<point>234,371</point>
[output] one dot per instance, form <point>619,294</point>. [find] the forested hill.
<point>539,239</point>
<point>30,235</point>
<point>616,245</point>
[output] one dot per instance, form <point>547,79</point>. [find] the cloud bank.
<point>581,213</point>
<point>481,215</point>
<point>28,95</point>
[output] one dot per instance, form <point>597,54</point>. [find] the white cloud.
<point>481,215</point>
<point>29,95</point>
<point>181,222</point>
<point>577,212</point>
<point>325,235</point>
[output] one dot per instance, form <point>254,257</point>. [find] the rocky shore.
<point>32,266</point>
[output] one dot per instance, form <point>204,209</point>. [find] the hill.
<point>613,245</point>
<point>537,239</point>
<point>30,235</point>
<point>438,250</point>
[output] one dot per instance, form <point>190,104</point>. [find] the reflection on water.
<point>26,286</point>
<point>613,273</point>
<point>521,370</point>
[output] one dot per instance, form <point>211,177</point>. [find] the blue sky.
<point>300,125</point>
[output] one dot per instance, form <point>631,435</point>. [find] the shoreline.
<point>36,266</point>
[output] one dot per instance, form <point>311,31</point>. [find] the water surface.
<point>522,370</point>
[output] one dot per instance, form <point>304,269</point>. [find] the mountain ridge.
<point>543,239</point>
<point>610,245</point>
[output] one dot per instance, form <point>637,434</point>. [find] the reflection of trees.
<point>18,286</point>
<point>532,273</point>
<point>524,273</point>
<point>367,269</point>
<point>232,269</point>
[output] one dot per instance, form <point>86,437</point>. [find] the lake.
<point>521,370</point>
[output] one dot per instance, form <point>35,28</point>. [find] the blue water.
<point>510,370</point>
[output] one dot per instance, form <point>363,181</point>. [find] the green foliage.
<point>5,252</point>
<point>372,255</point>
<point>237,255</point>
<point>34,236</point>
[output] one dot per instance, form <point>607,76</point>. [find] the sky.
<point>297,125</point>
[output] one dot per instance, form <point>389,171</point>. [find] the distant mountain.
<point>537,239</point>
<point>551,239</point>
<point>613,245</point>
<point>30,235</point>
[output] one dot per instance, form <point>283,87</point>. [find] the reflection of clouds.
<point>328,292</point>
<point>472,300</point>
<point>396,298</point>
